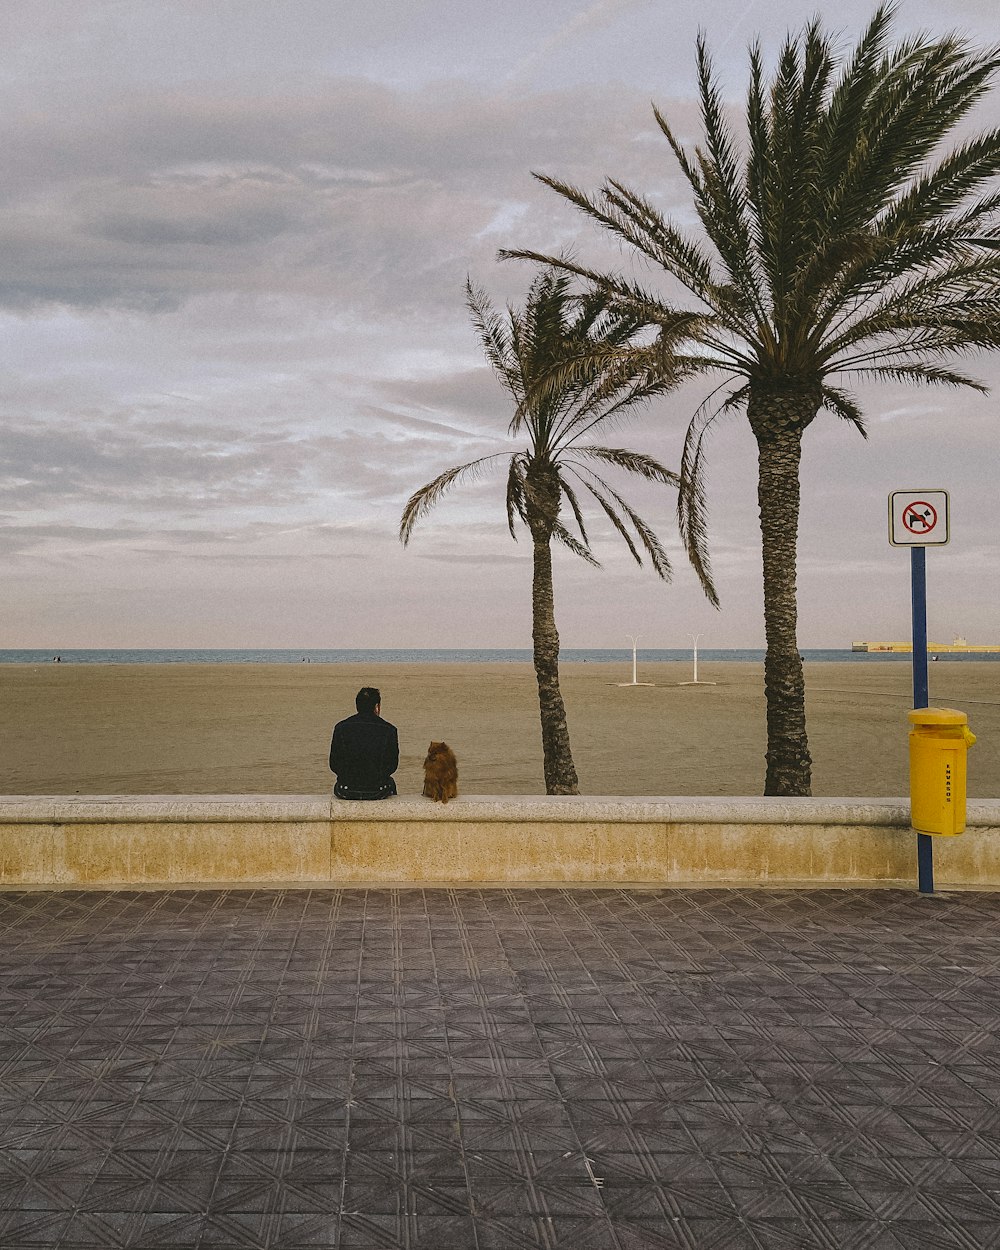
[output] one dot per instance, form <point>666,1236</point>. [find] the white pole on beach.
<point>695,682</point>
<point>634,639</point>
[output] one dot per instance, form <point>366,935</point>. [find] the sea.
<point>440,655</point>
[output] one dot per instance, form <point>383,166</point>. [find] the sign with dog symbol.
<point>918,518</point>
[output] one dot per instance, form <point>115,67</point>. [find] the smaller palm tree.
<point>563,363</point>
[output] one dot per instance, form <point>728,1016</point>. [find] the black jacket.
<point>364,752</point>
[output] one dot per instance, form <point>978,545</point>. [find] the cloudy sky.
<point>233,245</point>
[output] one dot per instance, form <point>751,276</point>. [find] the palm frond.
<point>632,462</point>
<point>944,188</point>
<point>914,99</point>
<point>838,401</point>
<point>661,241</point>
<point>688,168</point>
<point>949,278</point>
<point>615,520</point>
<point>725,206</point>
<point>934,375</point>
<point>692,518</point>
<point>607,495</point>
<point>421,501</point>
<point>844,121</point>
<point>636,222</point>
<point>560,532</point>
<point>515,495</point>
<point>720,200</point>
<point>627,297</point>
<point>574,504</point>
<point>885,270</point>
<point>493,334</point>
<point>632,377</point>
<point>922,343</point>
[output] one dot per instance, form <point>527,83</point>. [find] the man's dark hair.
<point>367,699</point>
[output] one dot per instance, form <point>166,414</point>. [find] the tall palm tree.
<point>837,244</point>
<point>562,362</point>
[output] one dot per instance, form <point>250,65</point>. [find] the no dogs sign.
<point>918,518</point>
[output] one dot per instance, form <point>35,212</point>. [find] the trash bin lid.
<point>937,716</point>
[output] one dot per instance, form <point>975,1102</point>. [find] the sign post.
<point>919,519</point>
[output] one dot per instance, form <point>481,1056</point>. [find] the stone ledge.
<point>181,841</point>
<point>110,809</point>
<point>477,809</point>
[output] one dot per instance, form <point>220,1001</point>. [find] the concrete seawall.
<point>102,842</point>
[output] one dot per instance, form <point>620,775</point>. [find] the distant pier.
<point>958,646</point>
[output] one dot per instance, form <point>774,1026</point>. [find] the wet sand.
<point>231,729</point>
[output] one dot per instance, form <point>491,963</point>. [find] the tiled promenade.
<point>597,1069</point>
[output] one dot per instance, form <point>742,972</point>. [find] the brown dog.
<point>440,773</point>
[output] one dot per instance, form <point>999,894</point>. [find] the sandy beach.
<point>230,729</point>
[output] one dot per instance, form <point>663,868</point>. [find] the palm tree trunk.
<point>557,758</point>
<point>778,421</point>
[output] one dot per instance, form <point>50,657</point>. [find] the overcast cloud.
<point>235,238</point>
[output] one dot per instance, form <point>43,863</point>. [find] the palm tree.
<point>836,245</point>
<point>579,342</point>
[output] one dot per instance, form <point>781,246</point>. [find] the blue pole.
<point>918,601</point>
<point>918,606</point>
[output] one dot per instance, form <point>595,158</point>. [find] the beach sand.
<point>259,728</point>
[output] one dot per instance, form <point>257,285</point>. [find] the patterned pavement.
<point>495,1069</point>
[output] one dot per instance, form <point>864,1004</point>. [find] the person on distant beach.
<point>364,752</point>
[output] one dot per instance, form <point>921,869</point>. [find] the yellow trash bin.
<point>939,741</point>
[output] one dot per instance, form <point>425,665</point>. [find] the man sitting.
<point>364,752</point>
